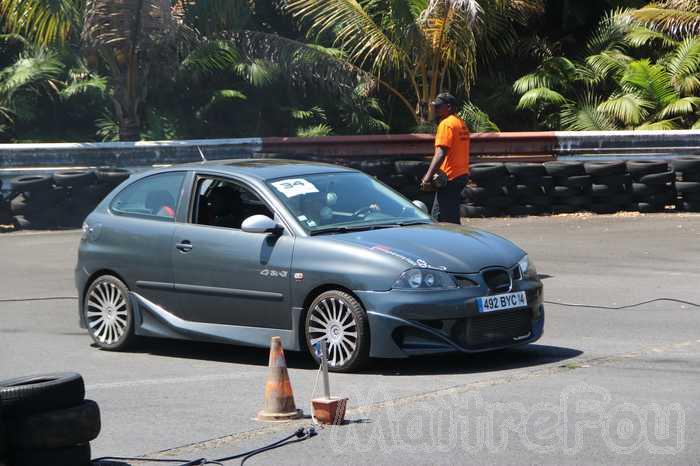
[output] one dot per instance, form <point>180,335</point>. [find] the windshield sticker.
<point>302,218</point>
<point>294,187</point>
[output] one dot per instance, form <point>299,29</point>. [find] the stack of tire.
<point>62,200</point>
<point>653,185</point>
<point>406,178</point>
<point>570,187</point>
<point>488,194</point>
<point>528,182</point>
<point>611,190</point>
<point>5,212</point>
<point>46,420</point>
<point>688,184</point>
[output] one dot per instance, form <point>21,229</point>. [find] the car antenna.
<point>201,154</point>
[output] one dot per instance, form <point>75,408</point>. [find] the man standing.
<point>451,156</point>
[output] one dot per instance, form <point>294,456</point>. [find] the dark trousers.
<point>448,199</point>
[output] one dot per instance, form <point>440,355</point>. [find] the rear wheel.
<point>108,313</point>
<point>338,318</point>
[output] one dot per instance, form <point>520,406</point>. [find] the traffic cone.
<point>279,398</point>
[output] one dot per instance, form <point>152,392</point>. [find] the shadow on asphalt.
<point>452,363</point>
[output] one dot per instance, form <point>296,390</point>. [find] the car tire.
<point>691,206</point>
<point>498,202</point>
<point>576,201</point>
<point>658,178</point>
<point>412,168</point>
<point>108,313</point>
<point>689,164</point>
<point>77,455</point>
<point>605,208</point>
<point>526,170</point>
<point>338,313</point>
<point>31,183</point>
<point>58,428</point>
<point>478,211</point>
<point>558,209</point>
<point>687,187</point>
<point>605,168</point>
<point>75,178</point>
<point>489,173</point>
<point>112,176</point>
<point>564,169</point>
<point>641,168</point>
<point>579,181</point>
<point>32,394</point>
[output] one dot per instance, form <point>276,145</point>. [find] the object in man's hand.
<point>437,181</point>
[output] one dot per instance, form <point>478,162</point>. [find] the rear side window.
<point>156,196</point>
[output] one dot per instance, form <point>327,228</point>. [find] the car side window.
<point>155,196</point>
<point>225,204</point>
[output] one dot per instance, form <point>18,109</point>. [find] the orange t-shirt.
<point>453,134</point>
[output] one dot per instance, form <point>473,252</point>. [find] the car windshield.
<point>337,202</point>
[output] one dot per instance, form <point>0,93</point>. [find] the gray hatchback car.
<point>239,251</point>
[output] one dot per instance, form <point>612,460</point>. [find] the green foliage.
<point>477,120</point>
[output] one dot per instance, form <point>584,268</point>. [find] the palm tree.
<point>414,48</point>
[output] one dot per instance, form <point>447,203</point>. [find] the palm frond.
<point>680,18</point>
<point>353,29</point>
<point>258,73</point>
<point>210,56</point>
<point>585,116</point>
<point>681,107</point>
<point>43,22</point>
<point>696,125</point>
<point>610,33</point>
<point>477,120</point>
<point>29,72</point>
<point>610,63</point>
<point>538,96</point>
<point>314,131</point>
<point>684,66</point>
<point>85,85</point>
<point>642,36</point>
<point>631,109</point>
<point>651,80</point>
<point>663,125</point>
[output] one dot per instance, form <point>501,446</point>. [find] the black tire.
<point>31,183</point>
<point>112,176</point>
<point>658,178</point>
<point>687,187</point>
<point>576,201</point>
<point>57,429</point>
<point>377,167</point>
<point>75,178</point>
<point>359,356</point>
<point>3,438</point>
<point>537,201</point>
<point>580,181</point>
<point>540,181</point>
<point>662,198</point>
<point>21,222</point>
<point>409,190</point>
<point>119,313</point>
<point>564,191</point>
<point>526,170</point>
<point>488,173</point>
<point>523,210</point>
<point>476,211</point>
<point>603,190</point>
<point>619,199</point>
<point>690,164</point>
<point>649,208</point>
<point>605,168</point>
<point>499,202</point>
<point>564,169</point>
<point>613,180</point>
<point>604,208</point>
<point>645,167</point>
<point>479,193</point>
<point>691,206</point>
<point>519,191</point>
<point>691,197</point>
<point>37,393</point>
<point>77,455</point>
<point>558,209</point>
<point>412,168</point>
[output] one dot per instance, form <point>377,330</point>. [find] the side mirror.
<point>260,224</point>
<point>421,205</point>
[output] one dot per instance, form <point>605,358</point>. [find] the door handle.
<point>184,246</point>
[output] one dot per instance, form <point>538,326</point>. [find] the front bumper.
<point>407,323</point>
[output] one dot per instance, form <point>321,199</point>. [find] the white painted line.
<point>173,380</point>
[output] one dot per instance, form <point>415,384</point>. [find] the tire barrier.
<point>62,200</point>
<point>688,185</point>
<point>46,419</point>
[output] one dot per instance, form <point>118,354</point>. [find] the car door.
<point>138,231</point>
<point>224,275</point>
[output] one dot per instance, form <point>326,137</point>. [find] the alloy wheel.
<point>331,319</point>
<point>107,312</point>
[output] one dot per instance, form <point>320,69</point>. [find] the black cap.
<point>445,98</point>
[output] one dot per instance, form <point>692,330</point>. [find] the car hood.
<point>452,248</point>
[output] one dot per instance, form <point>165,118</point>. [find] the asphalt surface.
<point>601,387</point>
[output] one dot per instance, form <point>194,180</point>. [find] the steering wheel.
<point>363,210</point>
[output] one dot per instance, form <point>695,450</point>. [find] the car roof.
<point>267,169</point>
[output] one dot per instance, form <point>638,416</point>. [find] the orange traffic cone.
<point>279,398</point>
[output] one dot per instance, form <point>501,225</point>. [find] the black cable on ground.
<point>301,434</point>
<point>615,308</point>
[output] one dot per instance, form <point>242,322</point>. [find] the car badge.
<point>299,277</point>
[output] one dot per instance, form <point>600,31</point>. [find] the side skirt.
<point>151,320</point>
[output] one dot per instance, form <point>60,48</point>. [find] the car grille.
<point>490,329</point>
<point>498,280</point>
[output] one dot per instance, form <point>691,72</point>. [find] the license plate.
<point>501,302</point>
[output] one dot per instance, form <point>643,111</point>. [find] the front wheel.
<point>108,313</point>
<point>338,318</point>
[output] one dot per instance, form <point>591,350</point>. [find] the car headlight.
<point>527,268</point>
<point>424,279</point>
